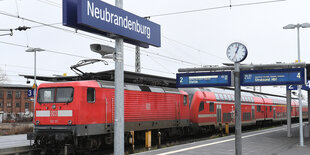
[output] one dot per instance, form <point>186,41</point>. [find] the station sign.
<point>30,93</point>
<point>304,87</point>
<point>273,77</point>
<point>205,79</point>
<point>96,16</point>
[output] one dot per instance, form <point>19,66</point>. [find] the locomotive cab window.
<point>201,106</point>
<point>64,95</point>
<point>55,95</point>
<point>91,95</point>
<point>46,95</point>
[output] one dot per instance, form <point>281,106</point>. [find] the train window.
<point>249,99</point>
<point>217,97</point>
<point>270,108</point>
<point>1,94</point>
<point>157,90</point>
<point>211,106</point>
<point>145,88</point>
<point>221,97</point>
<point>46,95</point>
<point>133,87</point>
<point>258,108</point>
<point>185,100</point>
<point>229,98</point>
<point>201,106</point>
<point>190,97</point>
<point>64,95</point>
<point>225,97</point>
<point>91,95</point>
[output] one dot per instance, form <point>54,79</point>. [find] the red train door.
<point>219,113</point>
<point>253,112</point>
<point>177,109</point>
<point>266,111</point>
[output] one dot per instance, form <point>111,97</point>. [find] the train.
<point>81,113</point>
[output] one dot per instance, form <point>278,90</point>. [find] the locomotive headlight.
<point>37,122</point>
<point>70,122</point>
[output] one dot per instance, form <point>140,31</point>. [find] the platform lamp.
<point>35,50</point>
<point>298,26</point>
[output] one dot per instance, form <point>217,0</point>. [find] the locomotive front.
<point>55,115</point>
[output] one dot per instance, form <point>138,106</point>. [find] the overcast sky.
<point>194,39</point>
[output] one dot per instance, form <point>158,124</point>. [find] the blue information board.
<point>96,16</point>
<point>273,77</point>
<point>205,79</point>
<point>304,87</point>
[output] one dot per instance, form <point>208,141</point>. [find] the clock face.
<point>236,52</point>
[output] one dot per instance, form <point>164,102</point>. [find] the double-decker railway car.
<point>212,108</point>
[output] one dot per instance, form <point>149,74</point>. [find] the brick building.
<point>15,105</point>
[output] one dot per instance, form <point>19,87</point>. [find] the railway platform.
<point>14,144</point>
<point>13,141</point>
<point>264,142</point>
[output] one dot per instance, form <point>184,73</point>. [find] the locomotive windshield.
<point>63,95</point>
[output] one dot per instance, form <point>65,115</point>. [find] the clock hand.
<point>236,52</point>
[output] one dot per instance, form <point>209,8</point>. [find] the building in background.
<point>15,105</point>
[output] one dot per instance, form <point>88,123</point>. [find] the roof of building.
<point>15,86</point>
<point>129,77</point>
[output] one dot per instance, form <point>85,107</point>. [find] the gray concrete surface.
<point>14,141</point>
<point>265,142</point>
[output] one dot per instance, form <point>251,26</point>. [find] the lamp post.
<point>298,26</point>
<point>35,50</point>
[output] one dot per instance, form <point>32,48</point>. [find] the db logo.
<point>54,113</point>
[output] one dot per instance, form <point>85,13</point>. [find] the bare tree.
<point>3,77</point>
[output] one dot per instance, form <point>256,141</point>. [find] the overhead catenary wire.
<point>193,48</point>
<point>160,64</point>
<point>29,68</point>
<point>50,3</point>
<point>92,37</point>
<point>213,8</point>
<point>63,53</point>
<point>52,25</point>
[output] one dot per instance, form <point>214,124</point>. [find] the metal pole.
<point>119,93</point>
<point>308,108</point>
<point>35,83</point>
<point>301,136</point>
<point>138,63</point>
<point>238,140</point>
<point>308,92</point>
<point>288,110</point>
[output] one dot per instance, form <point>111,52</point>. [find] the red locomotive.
<point>81,113</point>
